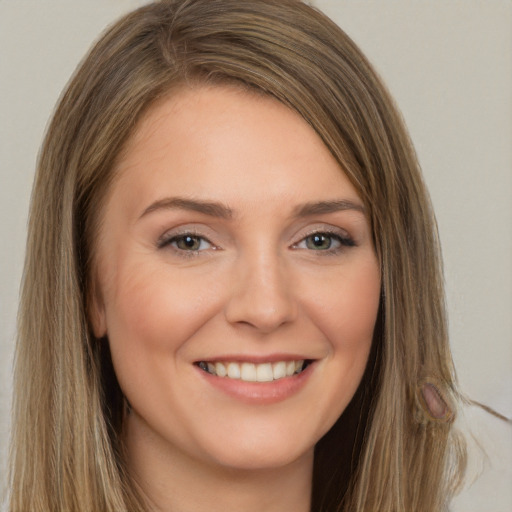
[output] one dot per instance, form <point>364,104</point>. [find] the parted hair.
<point>394,448</point>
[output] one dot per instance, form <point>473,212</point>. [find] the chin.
<point>254,458</point>
<point>260,448</point>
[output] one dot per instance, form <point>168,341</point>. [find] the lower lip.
<point>263,393</point>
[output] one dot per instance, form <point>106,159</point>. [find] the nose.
<point>262,295</point>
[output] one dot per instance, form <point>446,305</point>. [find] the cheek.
<point>346,307</point>
<point>151,311</point>
<point>345,310</point>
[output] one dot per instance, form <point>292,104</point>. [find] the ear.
<point>96,310</point>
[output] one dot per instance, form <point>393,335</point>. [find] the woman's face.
<point>231,241</point>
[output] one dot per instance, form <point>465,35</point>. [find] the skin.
<point>253,286</point>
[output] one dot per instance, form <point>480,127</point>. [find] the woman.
<point>268,108</point>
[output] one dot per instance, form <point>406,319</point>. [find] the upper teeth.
<point>251,372</point>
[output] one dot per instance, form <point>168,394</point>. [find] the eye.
<point>325,241</point>
<point>321,241</point>
<point>186,242</point>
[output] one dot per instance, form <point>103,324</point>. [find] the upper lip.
<point>256,359</point>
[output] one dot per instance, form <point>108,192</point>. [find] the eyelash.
<point>168,240</point>
<point>344,242</point>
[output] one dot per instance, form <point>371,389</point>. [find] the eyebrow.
<point>209,208</point>
<point>214,209</point>
<point>323,207</point>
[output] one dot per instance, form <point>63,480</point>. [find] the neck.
<point>172,481</point>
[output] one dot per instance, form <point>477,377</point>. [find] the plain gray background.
<point>448,64</point>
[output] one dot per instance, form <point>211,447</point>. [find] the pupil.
<point>190,242</point>
<point>321,241</point>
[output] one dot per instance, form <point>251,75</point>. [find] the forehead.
<point>230,145</point>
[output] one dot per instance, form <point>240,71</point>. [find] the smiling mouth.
<point>251,372</point>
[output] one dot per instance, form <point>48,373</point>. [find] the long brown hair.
<point>391,450</point>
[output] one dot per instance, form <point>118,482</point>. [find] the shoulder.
<point>489,445</point>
